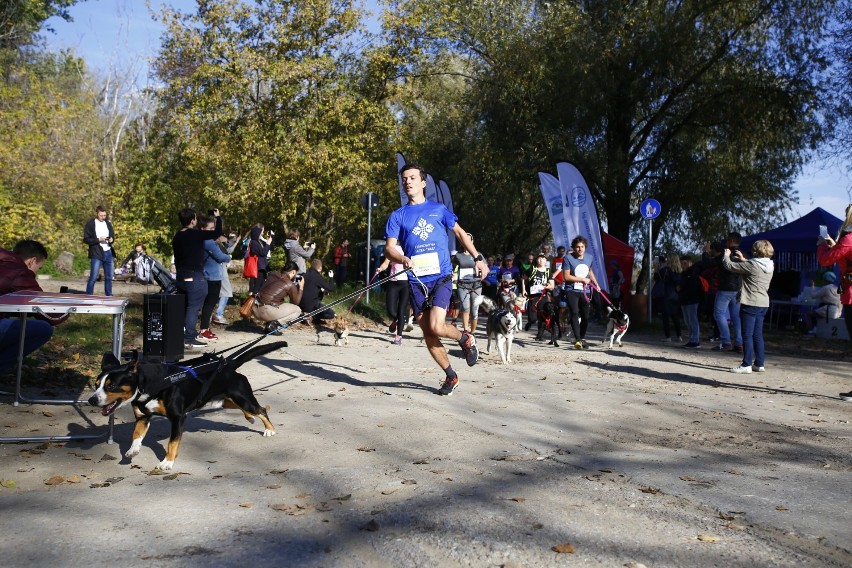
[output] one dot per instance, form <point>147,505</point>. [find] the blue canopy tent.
<point>795,248</point>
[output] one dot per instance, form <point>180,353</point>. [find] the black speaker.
<point>162,327</point>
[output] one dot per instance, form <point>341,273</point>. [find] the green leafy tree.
<point>267,105</point>
<point>708,107</point>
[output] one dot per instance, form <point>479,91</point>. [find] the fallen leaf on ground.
<point>564,548</point>
<point>366,449</point>
<point>439,471</point>
<point>518,499</point>
<point>55,480</point>
<point>651,490</point>
<point>409,482</point>
<point>346,497</point>
<point>246,505</point>
<point>687,478</point>
<point>736,526</point>
<point>707,538</point>
<point>8,483</point>
<point>48,414</point>
<point>74,479</point>
<point>781,508</point>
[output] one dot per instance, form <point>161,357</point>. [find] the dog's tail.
<point>241,358</point>
<point>488,303</point>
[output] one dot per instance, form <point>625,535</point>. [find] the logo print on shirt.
<point>423,229</point>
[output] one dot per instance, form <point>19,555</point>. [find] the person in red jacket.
<point>18,268</point>
<point>831,251</point>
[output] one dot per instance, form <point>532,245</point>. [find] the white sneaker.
<point>757,369</point>
<point>741,370</point>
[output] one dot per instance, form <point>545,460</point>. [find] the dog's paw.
<point>620,345</point>
<point>133,451</point>
<point>165,465</point>
<point>267,433</point>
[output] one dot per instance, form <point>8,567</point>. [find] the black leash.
<point>249,344</point>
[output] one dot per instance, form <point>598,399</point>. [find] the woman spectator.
<point>226,292</point>
<point>213,259</point>
<point>295,252</point>
<point>839,251</point>
<point>396,297</point>
<point>259,246</point>
<point>669,276</point>
<point>577,274</point>
<point>753,298</point>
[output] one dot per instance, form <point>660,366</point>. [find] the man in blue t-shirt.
<point>420,228</point>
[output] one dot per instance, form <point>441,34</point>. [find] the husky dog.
<point>500,328</point>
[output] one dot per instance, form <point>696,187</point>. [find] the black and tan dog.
<point>173,390</point>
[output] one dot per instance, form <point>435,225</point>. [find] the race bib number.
<point>426,264</point>
<point>583,272</point>
<point>536,289</point>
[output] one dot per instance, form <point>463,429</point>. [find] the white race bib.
<point>426,264</point>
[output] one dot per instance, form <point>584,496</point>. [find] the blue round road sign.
<point>650,209</point>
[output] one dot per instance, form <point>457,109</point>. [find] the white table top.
<point>29,301</point>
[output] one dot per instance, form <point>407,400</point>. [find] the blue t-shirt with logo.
<point>421,230</point>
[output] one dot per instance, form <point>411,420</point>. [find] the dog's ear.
<point>109,362</point>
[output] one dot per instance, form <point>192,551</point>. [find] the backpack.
<point>143,268</point>
<point>163,277</point>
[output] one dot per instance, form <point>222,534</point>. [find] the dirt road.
<point>646,455</point>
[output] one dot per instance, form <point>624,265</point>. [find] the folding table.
<point>53,305</point>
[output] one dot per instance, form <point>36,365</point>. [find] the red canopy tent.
<point>622,253</point>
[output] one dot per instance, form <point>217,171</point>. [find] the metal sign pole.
<point>650,268</point>
<point>369,267</point>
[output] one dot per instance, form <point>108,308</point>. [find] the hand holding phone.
<point>823,232</point>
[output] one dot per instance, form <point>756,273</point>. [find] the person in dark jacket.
<point>100,236</point>
<point>18,269</point>
<point>259,245</point>
<point>690,293</point>
<point>313,289</point>
<point>189,252</point>
<point>726,300</point>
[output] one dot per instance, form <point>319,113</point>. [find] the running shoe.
<point>847,396</point>
<point>742,369</point>
<point>723,347</point>
<point>584,344</point>
<point>692,345</point>
<point>209,335</point>
<point>193,344</point>
<point>409,325</point>
<point>468,345</point>
<point>449,386</point>
<point>578,345</point>
<point>397,340</point>
<point>392,327</point>
<point>757,369</point>
<point>220,320</point>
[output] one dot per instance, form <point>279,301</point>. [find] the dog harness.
<point>152,382</point>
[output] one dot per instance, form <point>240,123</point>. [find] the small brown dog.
<point>341,330</point>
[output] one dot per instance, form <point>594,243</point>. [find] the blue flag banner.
<point>552,194</point>
<point>581,217</point>
<point>445,197</point>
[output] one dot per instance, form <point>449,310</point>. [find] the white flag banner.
<point>552,194</point>
<point>581,218</point>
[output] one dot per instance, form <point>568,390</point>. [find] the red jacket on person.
<point>841,253</point>
<point>15,275</point>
